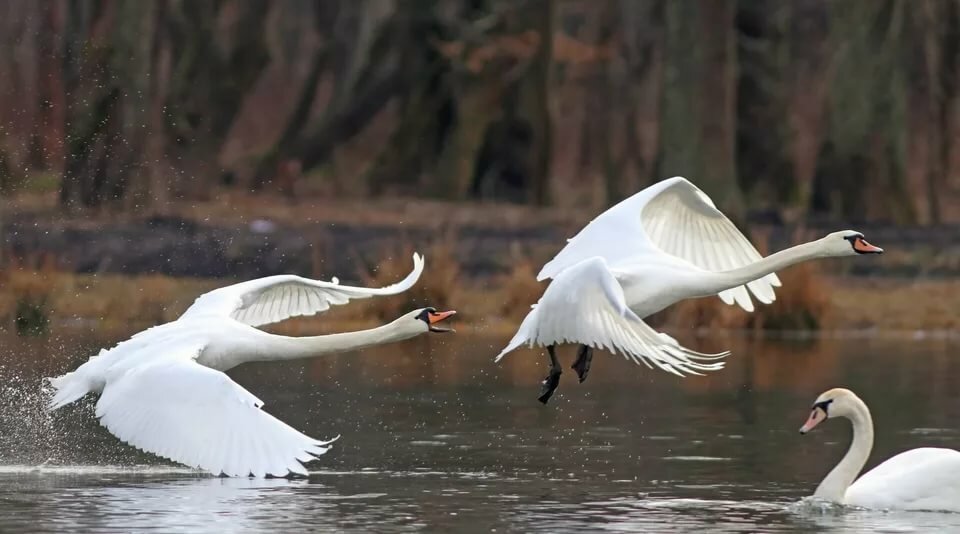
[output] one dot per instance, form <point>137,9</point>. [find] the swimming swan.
<point>920,479</point>
<point>664,244</point>
<point>164,390</point>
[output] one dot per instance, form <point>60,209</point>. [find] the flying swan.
<point>664,244</point>
<point>164,390</point>
<point>919,479</point>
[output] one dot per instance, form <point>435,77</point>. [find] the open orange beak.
<point>435,317</point>
<point>816,416</point>
<point>860,245</point>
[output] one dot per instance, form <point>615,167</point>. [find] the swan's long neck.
<point>713,283</point>
<point>834,486</point>
<point>277,348</point>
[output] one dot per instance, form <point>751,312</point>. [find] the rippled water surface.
<point>435,437</point>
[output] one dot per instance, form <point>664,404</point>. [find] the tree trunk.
<point>90,99</point>
<point>925,111</point>
<point>642,47</point>
<point>718,114</point>
<point>538,102</point>
<point>213,70</point>
<point>699,116</point>
<point>812,68</point>
<point>951,116</point>
<point>367,75</point>
<point>512,69</point>
<point>50,88</point>
<point>326,17</point>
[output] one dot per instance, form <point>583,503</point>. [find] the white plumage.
<point>926,479</point>
<point>164,389</point>
<point>179,409</point>
<point>587,305</point>
<point>276,298</point>
<point>664,244</point>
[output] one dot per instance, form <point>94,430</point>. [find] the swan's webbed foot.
<point>582,364</point>
<point>550,383</point>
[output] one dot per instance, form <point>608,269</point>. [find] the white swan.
<point>164,389</point>
<point>664,244</point>
<point>920,479</point>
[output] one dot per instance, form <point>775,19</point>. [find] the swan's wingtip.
<point>503,353</point>
<point>328,442</point>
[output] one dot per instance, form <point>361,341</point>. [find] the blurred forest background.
<point>846,109</point>
<point>150,149</point>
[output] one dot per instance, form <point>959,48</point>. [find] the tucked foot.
<point>582,363</point>
<point>549,385</point>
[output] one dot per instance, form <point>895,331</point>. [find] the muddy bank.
<point>182,247</point>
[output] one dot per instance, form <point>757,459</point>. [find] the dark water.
<point>435,437</point>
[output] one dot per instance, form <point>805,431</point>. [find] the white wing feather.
<point>197,416</point>
<point>275,298</point>
<point>585,304</point>
<point>673,217</point>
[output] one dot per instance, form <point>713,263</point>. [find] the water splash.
<point>816,505</point>
<point>30,433</point>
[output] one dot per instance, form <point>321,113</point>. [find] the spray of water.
<point>28,432</point>
<point>30,435</point>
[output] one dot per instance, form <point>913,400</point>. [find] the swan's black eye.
<point>425,314</point>
<point>853,237</point>
<point>823,405</point>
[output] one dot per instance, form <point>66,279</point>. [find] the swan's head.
<point>837,402</point>
<point>426,320</point>
<point>848,243</point>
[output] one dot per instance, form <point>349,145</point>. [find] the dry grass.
<point>32,296</point>
<point>230,207</point>
<point>440,285</point>
<point>887,304</point>
<point>802,303</point>
<point>518,289</point>
<point>808,300</point>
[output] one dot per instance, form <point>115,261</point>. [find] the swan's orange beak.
<point>436,317</point>
<point>860,245</point>
<point>816,416</point>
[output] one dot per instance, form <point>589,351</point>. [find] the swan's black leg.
<point>550,383</point>
<point>582,365</point>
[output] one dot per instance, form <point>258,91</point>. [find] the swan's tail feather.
<point>514,343</point>
<point>70,387</point>
<point>525,334</point>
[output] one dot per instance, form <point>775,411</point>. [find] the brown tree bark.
<point>366,74</point>
<point>718,101</point>
<point>539,104</point>
<point>642,50</point>
<point>699,121</point>
<point>812,68</point>
<point>926,112</point>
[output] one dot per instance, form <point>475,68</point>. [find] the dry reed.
<point>802,304</point>
<point>808,300</point>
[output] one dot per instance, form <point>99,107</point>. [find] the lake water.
<point>436,437</point>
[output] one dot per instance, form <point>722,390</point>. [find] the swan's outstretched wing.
<point>585,304</point>
<point>675,217</point>
<point>275,298</point>
<point>920,479</point>
<point>181,410</point>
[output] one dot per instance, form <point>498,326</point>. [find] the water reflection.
<point>435,436</point>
